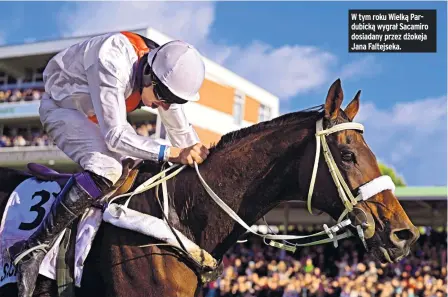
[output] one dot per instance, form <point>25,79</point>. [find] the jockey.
<point>89,89</point>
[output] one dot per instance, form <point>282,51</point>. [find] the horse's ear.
<point>352,108</point>
<point>334,100</point>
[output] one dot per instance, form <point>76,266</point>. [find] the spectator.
<point>27,95</point>
<point>19,141</point>
<point>18,95</point>
<point>3,97</point>
<point>5,141</point>
<point>36,95</point>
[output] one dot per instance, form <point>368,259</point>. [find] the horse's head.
<point>383,223</point>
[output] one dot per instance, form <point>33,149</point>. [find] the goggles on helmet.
<point>163,94</point>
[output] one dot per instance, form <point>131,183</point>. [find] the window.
<point>238,108</point>
<point>38,76</point>
<point>28,75</point>
<point>11,80</point>
<point>264,113</point>
<point>3,78</point>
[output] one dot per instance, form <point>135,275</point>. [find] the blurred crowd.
<point>144,128</point>
<point>18,95</point>
<point>19,137</point>
<point>254,269</point>
<point>21,140</point>
<point>15,137</point>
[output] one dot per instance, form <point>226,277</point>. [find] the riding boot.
<point>77,195</point>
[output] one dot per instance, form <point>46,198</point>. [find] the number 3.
<point>45,195</point>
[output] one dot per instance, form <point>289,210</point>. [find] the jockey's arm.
<point>107,78</point>
<point>180,132</point>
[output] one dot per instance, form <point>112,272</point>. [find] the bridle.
<point>349,201</point>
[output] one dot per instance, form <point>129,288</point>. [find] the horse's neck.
<point>249,178</point>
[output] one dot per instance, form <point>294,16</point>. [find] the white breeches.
<point>80,139</point>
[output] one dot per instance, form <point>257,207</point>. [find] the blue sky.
<point>293,49</point>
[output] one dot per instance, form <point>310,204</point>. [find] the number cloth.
<point>24,212</point>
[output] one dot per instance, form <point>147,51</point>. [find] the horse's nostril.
<point>404,234</point>
<point>404,237</point>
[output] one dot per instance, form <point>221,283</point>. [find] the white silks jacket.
<point>95,77</point>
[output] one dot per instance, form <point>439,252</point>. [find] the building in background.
<point>228,102</point>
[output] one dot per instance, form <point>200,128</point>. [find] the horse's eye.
<point>348,156</point>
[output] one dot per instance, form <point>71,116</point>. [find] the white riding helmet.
<point>179,67</point>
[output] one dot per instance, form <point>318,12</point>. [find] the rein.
<point>365,192</point>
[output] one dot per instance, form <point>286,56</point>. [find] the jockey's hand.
<point>187,156</point>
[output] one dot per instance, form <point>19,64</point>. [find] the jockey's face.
<point>150,99</point>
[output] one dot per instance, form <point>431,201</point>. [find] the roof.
<point>421,193</point>
<point>214,71</point>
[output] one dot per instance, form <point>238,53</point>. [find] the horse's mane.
<point>297,117</point>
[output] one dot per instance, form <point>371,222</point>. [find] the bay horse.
<point>252,170</point>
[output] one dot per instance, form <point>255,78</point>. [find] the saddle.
<point>124,184</point>
<point>44,173</point>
